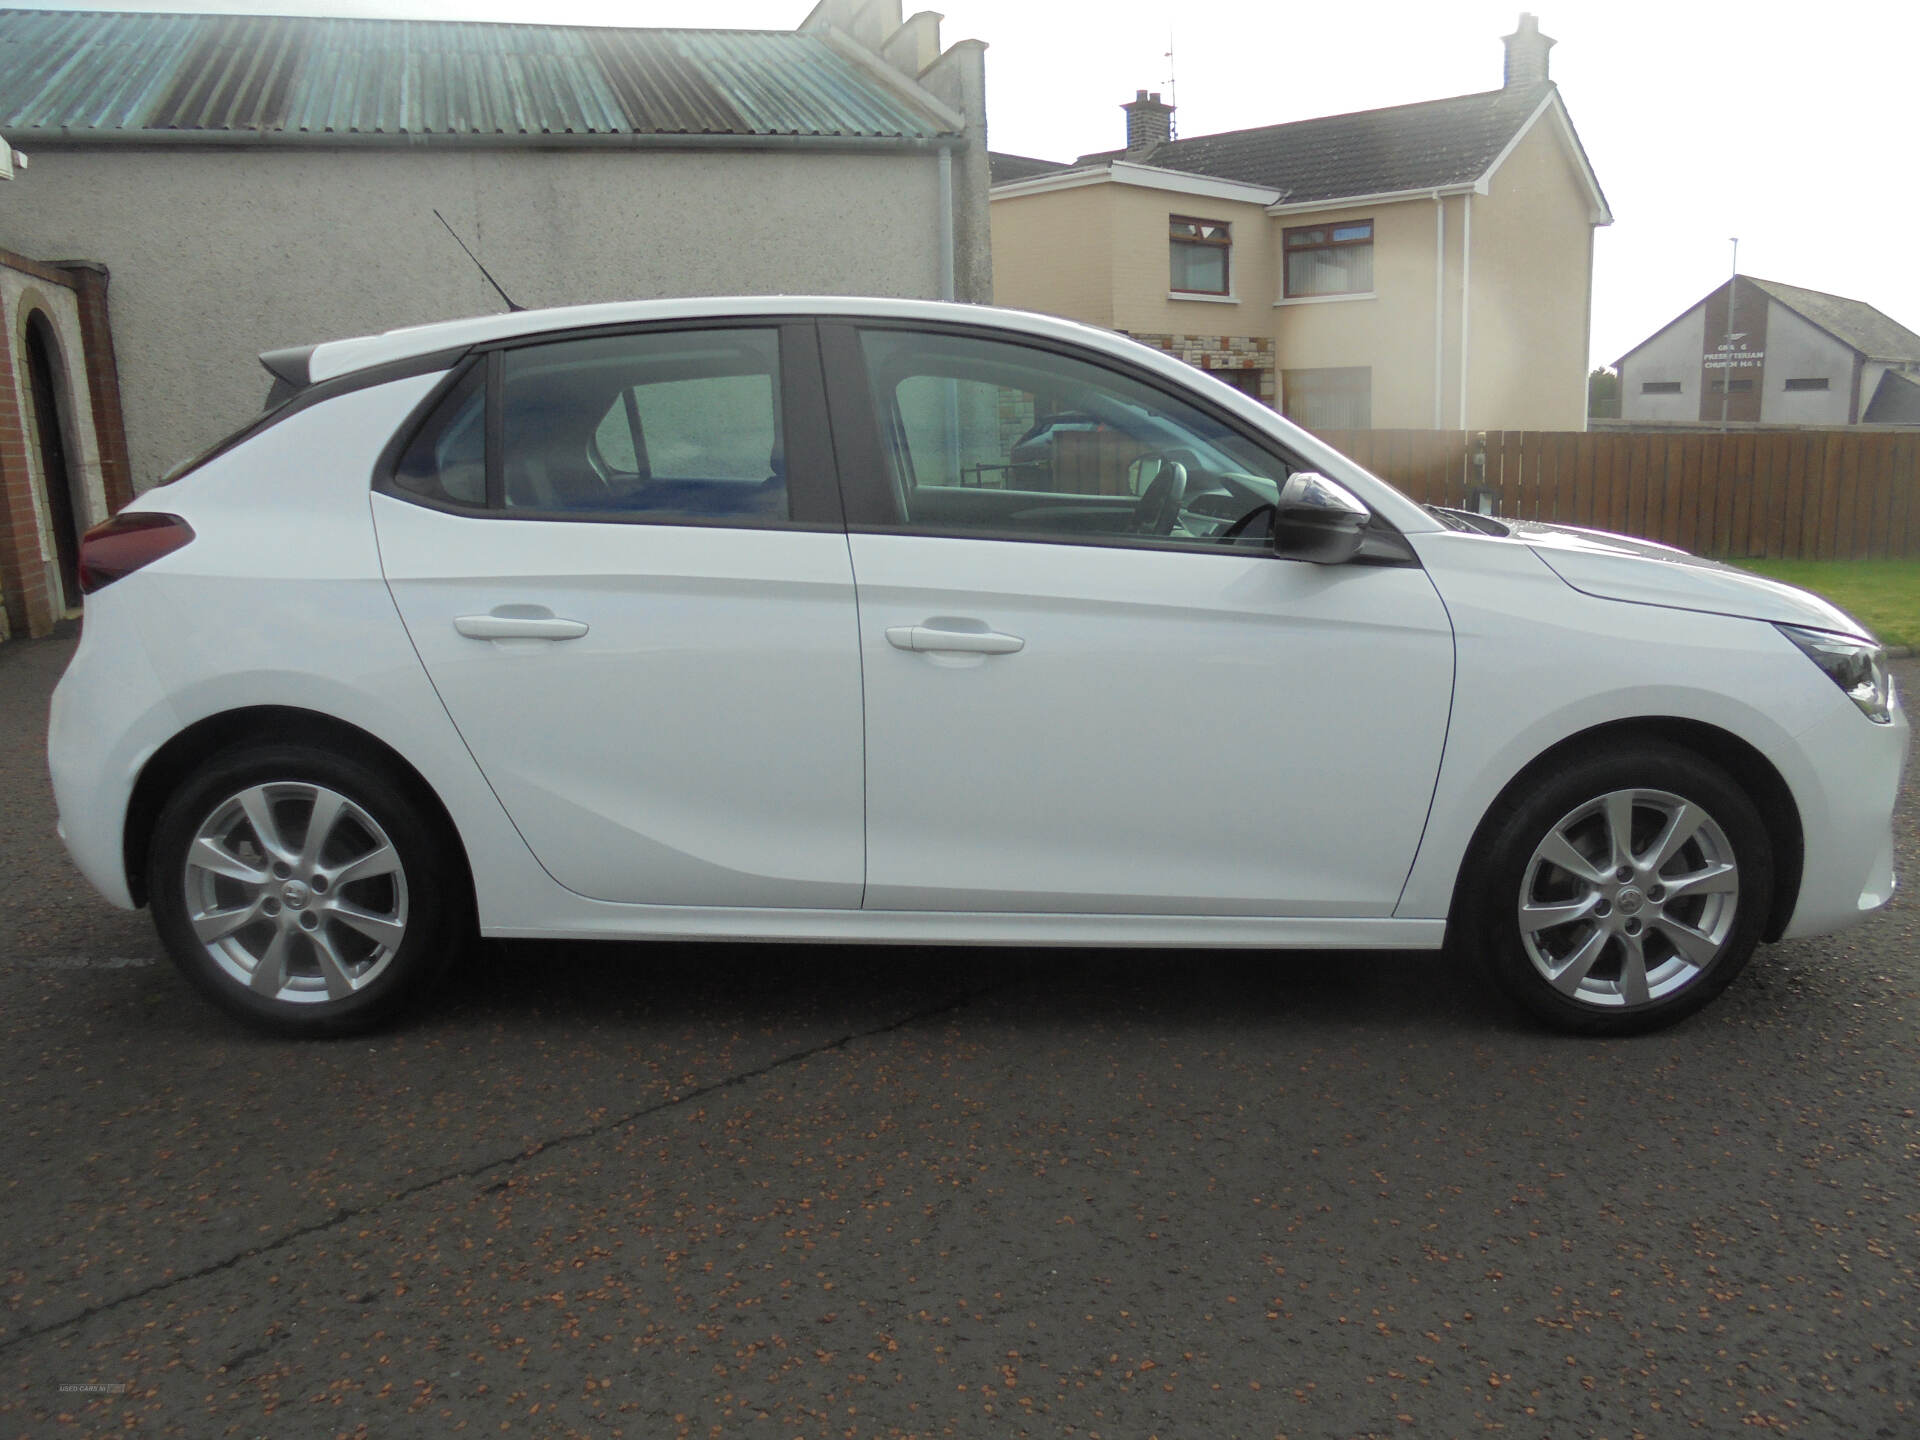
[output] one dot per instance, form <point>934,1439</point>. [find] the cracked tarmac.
<point>689,1190</point>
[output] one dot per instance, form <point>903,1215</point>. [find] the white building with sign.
<point>1783,356</point>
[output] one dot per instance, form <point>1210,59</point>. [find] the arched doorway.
<point>46,380</point>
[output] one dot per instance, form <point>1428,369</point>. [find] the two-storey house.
<point>1421,266</point>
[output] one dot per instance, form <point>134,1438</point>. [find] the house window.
<point>1199,251</point>
<point>1817,383</point>
<point>1330,259</point>
<point>1734,387</point>
<point>1660,387</point>
<point>1322,400</point>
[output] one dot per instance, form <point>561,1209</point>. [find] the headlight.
<point>1857,666</point>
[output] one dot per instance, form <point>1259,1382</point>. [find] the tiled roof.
<point>1370,152</point>
<point>1896,400</point>
<point>1019,167</point>
<point>93,75</point>
<point>1853,322</point>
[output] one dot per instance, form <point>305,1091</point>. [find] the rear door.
<point>621,559</point>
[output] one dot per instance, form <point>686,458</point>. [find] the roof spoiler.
<point>290,371</point>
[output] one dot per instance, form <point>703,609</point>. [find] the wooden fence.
<point>1799,494</point>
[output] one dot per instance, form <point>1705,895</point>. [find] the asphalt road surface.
<point>704,1190</point>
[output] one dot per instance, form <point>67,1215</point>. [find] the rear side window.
<point>682,426</point>
<point>447,459</point>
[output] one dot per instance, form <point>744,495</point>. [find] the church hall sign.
<point>1733,361</point>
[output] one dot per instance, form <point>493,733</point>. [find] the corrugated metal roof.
<point>95,75</point>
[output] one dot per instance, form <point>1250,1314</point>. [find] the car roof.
<point>334,358</point>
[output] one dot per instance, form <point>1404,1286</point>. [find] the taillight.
<point>125,543</point>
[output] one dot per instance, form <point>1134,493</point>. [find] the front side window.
<point>680,426</point>
<point>1200,250</point>
<point>1330,259</point>
<point>993,438</point>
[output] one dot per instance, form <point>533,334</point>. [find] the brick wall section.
<point>23,574</point>
<point>89,279</point>
<point>26,579</point>
<point>1222,352</point>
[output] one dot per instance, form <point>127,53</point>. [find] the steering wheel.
<point>1159,508</point>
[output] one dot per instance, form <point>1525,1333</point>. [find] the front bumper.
<point>1847,800</point>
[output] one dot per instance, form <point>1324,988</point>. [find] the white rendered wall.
<point>1673,354</point>
<point>1800,350</point>
<point>219,253</point>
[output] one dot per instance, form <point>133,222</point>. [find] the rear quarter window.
<point>447,457</point>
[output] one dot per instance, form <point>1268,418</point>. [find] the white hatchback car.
<point>741,619</point>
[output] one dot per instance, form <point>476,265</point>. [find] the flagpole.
<point>1726,374</point>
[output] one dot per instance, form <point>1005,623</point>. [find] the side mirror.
<point>1318,520</point>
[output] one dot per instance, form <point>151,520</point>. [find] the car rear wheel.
<point>303,891</point>
<point>1624,892</point>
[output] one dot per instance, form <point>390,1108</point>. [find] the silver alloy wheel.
<point>1628,898</point>
<point>296,892</point>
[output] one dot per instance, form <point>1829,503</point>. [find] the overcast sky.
<point>1789,126</point>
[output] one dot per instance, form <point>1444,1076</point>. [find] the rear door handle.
<point>519,627</point>
<point>973,642</point>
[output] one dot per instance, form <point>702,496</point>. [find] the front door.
<point>637,605</point>
<point>1090,684</point>
<point>62,515</point>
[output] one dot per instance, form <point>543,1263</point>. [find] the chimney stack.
<point>1149,123</point>
<point>1526,54</point>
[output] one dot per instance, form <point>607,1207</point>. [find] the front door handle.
<point>933,638</point>
<point>519,627</point>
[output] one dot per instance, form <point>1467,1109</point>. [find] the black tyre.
<point>303,891</point>
<point>1621,893</point>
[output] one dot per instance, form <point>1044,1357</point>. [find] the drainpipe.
<point>946,223</point>
<point>1439,304</point>
<point>1466,294</point>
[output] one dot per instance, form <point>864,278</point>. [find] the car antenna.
<point>511,307</point>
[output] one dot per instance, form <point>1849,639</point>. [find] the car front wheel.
<point>303,891</point>
<point>1624,892</point>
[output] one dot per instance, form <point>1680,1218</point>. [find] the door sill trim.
<point>603,920</point>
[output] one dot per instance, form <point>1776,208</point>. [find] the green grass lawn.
<point>1882,594</point>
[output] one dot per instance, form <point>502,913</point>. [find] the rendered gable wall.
<point>1531,291</point>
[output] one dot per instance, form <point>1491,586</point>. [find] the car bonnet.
<point>1641,572</point>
